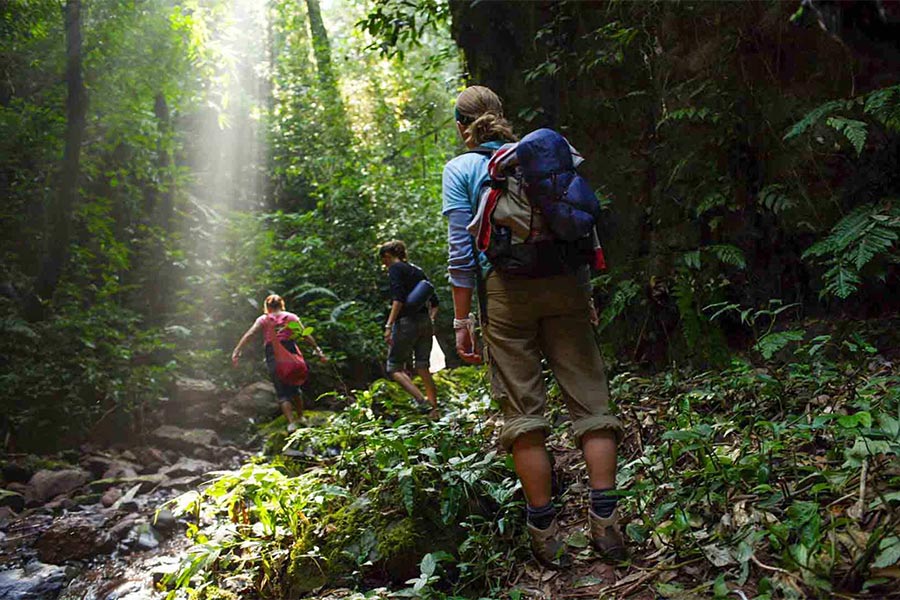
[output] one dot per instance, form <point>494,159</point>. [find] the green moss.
<point>337,536</point>
<point>212,592</point>
<point>397,538</point>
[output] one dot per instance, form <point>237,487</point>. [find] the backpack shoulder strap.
<point>482,150</point>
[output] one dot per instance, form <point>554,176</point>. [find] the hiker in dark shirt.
<point>409,328</point>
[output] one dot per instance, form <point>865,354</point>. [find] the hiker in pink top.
<point>273,324</point>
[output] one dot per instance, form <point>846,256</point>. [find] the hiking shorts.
<point>283,391</point>
<point>531,319</point>
<point>411,336</point>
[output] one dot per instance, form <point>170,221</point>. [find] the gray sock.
<point>602,503</point>
<point>542,516</point>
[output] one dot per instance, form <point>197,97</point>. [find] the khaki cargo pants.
<point>549,317</point>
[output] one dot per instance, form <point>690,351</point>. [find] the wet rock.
<point>185,440</point>
<point>142,536</point>
<point>35,582</point>
<point>147,483</point>
<point>182,483</point>
<point>61,502</point>
<point>164,521</point>
<point>120,530</point>
<point>45,484</point>
<point>73,537</point>
<point>96,464</point>
<point>129,506</point>
<point>12,499</point>
<point>187,467</point>
<point>110,496</point>
<point>193,402</point>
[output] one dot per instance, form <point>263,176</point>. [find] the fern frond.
<point>884,105</point>
<point>773,197</point>
<point>625,292</point>
<point>769,344</point>
<point>813,117</point>
<point>728,254</point>
<point>841,281</point>
<point>711,201</point>
<point>696,115</point>
<point>854,131</point>
<point>878,240</point>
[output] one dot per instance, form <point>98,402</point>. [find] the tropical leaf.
<point>728,254</point>
<point>854,131</point>
<point>769,344</point>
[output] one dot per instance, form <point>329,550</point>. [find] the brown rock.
<point>187,467</point>
<point>193,402</point>
<point>6,515</point>
<point>119,470</point>
<point>110,496</point>
<point>73,538</point>
<point>49,484</point>
<point>151,458</point>
<point>185,440</point>
<point>255,402</point>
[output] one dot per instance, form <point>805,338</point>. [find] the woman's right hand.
<point>465,346</point>
<point>235,356</point>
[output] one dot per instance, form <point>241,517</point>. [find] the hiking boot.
<point>606,536</point>
<point>546,546</point>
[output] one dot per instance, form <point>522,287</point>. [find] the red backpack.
<point>290,368</point>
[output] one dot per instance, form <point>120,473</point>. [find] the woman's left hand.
<point>388,336</point>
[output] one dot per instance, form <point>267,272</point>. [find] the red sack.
<point>290,368</point>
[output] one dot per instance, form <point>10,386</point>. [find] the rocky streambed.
<point>88,525</point>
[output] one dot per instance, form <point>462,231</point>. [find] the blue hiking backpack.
<point>536,216</point>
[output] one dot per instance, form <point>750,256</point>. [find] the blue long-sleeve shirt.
<point>462,181</point>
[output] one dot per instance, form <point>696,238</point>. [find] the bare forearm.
<point>396,306</point>
<point>462,302</point>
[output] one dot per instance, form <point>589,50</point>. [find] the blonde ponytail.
<point>481,111</point>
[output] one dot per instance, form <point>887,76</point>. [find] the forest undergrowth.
<point>769,479</point>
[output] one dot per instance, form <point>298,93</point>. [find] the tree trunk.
<point>67,192</point>
<point>321,47</point>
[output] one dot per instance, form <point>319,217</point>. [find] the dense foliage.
<point>776,478</point>
<point>230,151</point>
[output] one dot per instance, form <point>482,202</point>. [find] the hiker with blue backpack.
<point>285,362</point>
<point>409,329</point>
<point>522,233</point>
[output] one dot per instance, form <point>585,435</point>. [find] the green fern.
<point>769,344</point>
<point>626,291</point>
<point>773,197</point>
<point>854,131</point>
<point>696,115</point>
<point>884,105</point>
<point>728,254</point>
<point>870,231</point>
<point>816,115</point>
<point>711,201</point>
